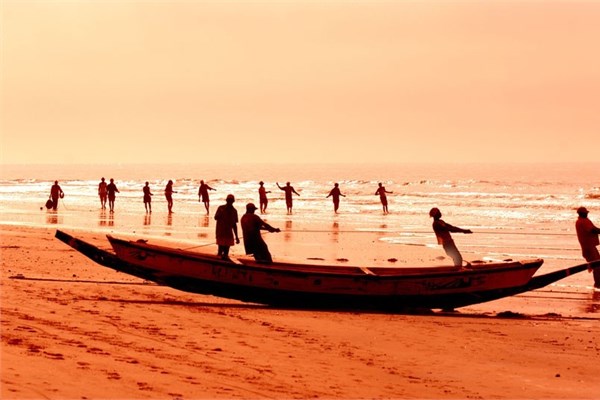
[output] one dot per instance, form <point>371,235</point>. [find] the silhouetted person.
<point>587,234</point>
<point>262,197</point>
<point>147,198</point>
<point>203,195</point>
<point>55,194</point>
<point>335,193</point>
<point>111,190</point>
<point>227,219</point>
<point>253,241</point>
<point>289,202</point>
<point>382,196</point>
<point>169,195</point>
<point>442,232</point>
<point>102,193</point>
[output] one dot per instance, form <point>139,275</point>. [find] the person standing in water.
<point>147,198</point>
<point>56,193</point>
<point>587,235</point>
<point>226,229</point>
<point>111,191</point>
<point>203,195</point>
<point>262,197</point>
<point>102,193</point>
<point>442,233</point>
<point>289,202</point>
<point>335,193</point>
<point>382,197</point>
<point>169,195</point>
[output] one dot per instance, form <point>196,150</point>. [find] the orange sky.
<point>302,81</point>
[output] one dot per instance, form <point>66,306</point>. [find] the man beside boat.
<point>227,219</point>
<point>587,234</point>
<point>254,244</point>
<point>442,232</point>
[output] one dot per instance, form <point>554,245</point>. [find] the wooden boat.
<point>320,286</point>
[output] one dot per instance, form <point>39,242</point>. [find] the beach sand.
<point>72,329</point>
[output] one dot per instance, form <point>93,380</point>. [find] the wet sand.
<point>72,329</point>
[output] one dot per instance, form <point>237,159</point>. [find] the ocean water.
<point>515,210</point>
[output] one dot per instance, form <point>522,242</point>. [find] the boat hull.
<point>316,286</point>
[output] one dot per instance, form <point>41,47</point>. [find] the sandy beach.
<point>74,330</point>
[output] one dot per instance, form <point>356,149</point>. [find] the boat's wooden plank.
<point>366,270</point>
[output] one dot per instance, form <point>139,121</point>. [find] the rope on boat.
<point>423,232</point>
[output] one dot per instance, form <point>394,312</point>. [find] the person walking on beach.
<point>442,232</point>
<point>587,234</point>
<point>169,195</point>
<point>147,198</point>
<point>111,190</point>
<point>335,193</point>
<point>227,219</point>
<point>56,193</point>
<point>262,197</point>
<point>253,241</point>
<point>203,195</point>
<point>102,193</point>
<point>289,202</point>
<point>381,192</point>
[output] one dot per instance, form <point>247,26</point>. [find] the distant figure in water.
<point>253,241</point>
<point>102,193</point>
<point>55,194</point>
<point>289,202</point>
<point>442,232</point>
<point>262,197</point>
<point>203,195</point>
<point>335,193</point>
<point>381,192</point>
<point>111,190</point>
<point>587,234</point>
<point>227,219</point>
<point>147,198</point>
<point>169,195</point>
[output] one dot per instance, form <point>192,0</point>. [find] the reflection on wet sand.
<point>102,217</point>
<point>287,236</point>
<point>147,219</point>
<point>594,305</point>
<point>204,223</point>
<point>52,217</point>
<point>169,224</point>
<point>335,237</point>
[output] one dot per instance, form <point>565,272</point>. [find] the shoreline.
<point>72,329</point>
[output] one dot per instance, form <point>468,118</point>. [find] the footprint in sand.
<point>54,356</point>
<point>144,386</point>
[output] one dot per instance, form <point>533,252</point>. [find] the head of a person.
<point>229,199</point>
<point>147,183</point>
<point>112,180</point>
<point>582,212</point>
<point>287,183</point>
<point>380,184</point>
<point>170,182</point>
<point>250,208</point>
<point>56,182</point>
<point>102,179</point>
<point>261,183</point>
<point>202,182</point>
<point>435,213</point>
<point>336,185</point>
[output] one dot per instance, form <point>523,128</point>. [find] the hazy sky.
<point>303,81</point>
